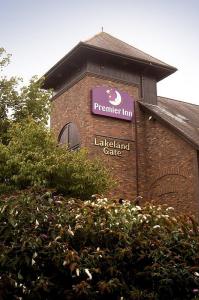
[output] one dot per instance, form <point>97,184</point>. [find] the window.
<point>198,160</point>
<point>69,135</point>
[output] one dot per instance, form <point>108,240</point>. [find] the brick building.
<point>105,99</point>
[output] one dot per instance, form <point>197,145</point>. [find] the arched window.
<point>70,136</point>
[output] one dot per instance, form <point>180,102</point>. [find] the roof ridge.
<point>178,100</point>
<point>95,35</point>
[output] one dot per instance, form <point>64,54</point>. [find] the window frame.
<point>67,125</point>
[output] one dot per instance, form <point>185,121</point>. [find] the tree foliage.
<point>29,155</point>
<point>32,158</point>
<point>52,247</point>
<point>19,102</point>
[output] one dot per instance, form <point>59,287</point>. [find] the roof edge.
<point>62,60</point>
<point>166,66</point>
<point>181,101</point>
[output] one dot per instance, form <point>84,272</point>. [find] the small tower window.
<point>69,135</point>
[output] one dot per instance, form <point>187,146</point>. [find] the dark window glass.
<point>198,159</point>
<point>69,135</point>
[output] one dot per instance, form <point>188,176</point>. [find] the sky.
<point>38,33</point>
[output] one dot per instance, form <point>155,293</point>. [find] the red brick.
<point>167,165</point>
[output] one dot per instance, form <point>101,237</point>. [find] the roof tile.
<point>106,41</point>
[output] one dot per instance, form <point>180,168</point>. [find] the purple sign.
<point>111,102</point>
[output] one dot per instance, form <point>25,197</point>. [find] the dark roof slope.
<point>182,116</point>
<point>106,41</point>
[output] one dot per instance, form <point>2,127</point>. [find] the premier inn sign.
<point>113,103</point>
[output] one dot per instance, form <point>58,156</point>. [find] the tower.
<point>96,89</point>
<point>104,97</point>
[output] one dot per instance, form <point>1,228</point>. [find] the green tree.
<point>18,102</point>
<point>33,159</point>
<point>29,155</point>
<point>8,95</point>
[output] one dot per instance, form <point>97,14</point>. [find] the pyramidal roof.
<point>104,44</point>
<point>106,41</point>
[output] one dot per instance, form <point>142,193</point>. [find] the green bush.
<point>53,247</point>
<point>32,158</point>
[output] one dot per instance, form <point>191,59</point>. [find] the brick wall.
<point>74,105</point>
<point>167,169</point>
<point>171,168</point>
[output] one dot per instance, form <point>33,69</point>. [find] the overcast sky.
<point>40,32</point>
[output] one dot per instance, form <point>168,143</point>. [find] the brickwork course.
<point>161,164</point>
